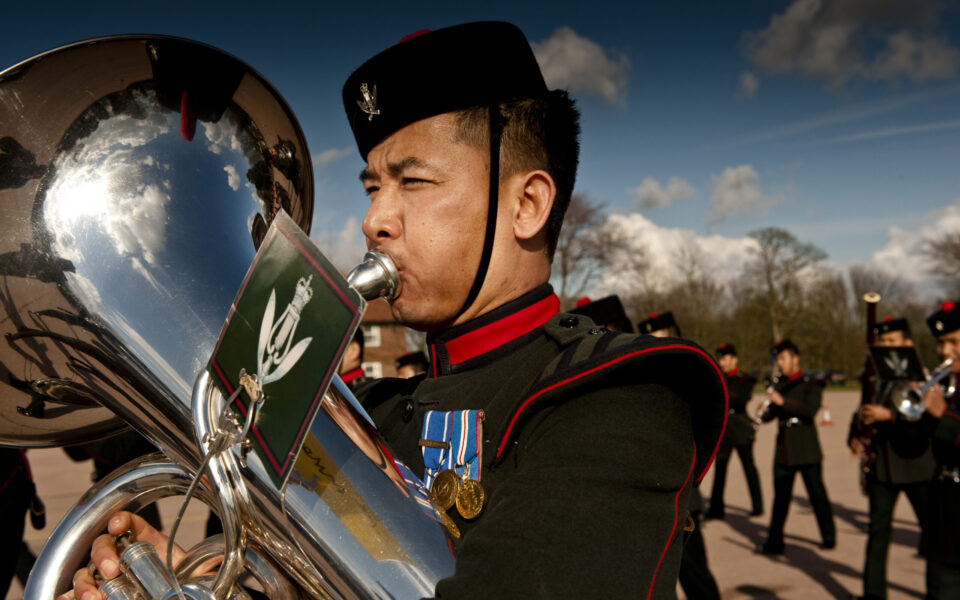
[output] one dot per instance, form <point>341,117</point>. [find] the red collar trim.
<point>351,375</point>
<point>483,340</point>
<point>795,376</point>
<point>733,372</point>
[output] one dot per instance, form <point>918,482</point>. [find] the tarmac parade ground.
<point>804,571</point>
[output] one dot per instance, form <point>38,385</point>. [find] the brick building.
<point>383,338</point>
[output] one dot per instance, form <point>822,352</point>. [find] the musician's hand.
<point>775,397</point>
<point>105,556</point>
<point>934,401</point>
<point>856,446</point>
<point>873,413</point>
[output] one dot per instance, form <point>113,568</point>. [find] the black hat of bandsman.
<point>413,358</point>
<point>656,322</point>
<point>890,324</point>
<point>785,344</point>
<point>725,349</point>
<point>605,312</point>
<point>946,320</point>
<point>434,72</point>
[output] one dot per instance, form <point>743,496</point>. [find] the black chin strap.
<point>496,128</point>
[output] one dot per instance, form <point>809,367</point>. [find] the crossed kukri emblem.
<point>276,352</point>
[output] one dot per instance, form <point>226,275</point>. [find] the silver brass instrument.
<point>911,404</point>
<point>140,175</point>
<point>763,413</point>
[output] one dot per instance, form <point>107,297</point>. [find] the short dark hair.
<point>538,133</point>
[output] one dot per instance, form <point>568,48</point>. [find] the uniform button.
<point>406,411</point>
<point>596,331</point>
<point>569,322</point>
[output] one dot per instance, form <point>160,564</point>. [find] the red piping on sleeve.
<point>676,519</point>
<point>723,383</point>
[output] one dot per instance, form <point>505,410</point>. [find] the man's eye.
<point>371,189</point>
<point>414,181</point>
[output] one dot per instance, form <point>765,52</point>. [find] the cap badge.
<point>939,325</point>
<point>369,102</point>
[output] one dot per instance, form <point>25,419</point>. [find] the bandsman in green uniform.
<point>900,461</point>
<point>794,402</point>
<point>739,435</point>
<point>943,420</point>
<point>572,450</point>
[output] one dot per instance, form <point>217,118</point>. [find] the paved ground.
<point>804,572</point>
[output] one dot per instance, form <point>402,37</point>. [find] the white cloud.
<point>343,247</point>
<point>723,257</point>
<point>119,188</point>
<point>577,64</point>
<point>332,155</point>
<point>737,191</point>
<point>903,254</point>
<point>831,41</point>
<point>749,84</point>
<point>233,178</point>
<point>919,59</point>
<point>651,195</point>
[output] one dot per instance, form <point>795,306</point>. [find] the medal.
<point>450,525</point>
<point>445,489</point>
<point>470,498</point>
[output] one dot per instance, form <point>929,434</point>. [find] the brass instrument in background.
<point>868,391</point>
<point>763,412</point>
<point>911,404</point>
<point>142,175</point>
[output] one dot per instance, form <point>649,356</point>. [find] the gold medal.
<point>450,525</point>
<point>470,498</point>
<point>445,489</point>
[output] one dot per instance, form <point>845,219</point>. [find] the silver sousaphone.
<point>138,176</point>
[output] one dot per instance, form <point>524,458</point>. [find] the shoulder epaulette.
<point>590,353</point>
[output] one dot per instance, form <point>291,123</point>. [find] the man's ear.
<point>535,195</point>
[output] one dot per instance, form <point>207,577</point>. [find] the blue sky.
<point>837,121</point>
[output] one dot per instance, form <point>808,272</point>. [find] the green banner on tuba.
<point>289,325</point>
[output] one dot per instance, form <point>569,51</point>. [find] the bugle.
<point>911,405</point>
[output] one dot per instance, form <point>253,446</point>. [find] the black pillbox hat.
<point>785,344</point>
<point>946,320</point>
<point>414,358</point>
<point>656,322</point>
<point>890,324</point>
<point>427,74</point>
<point>725,349</point>
<point>605,312</point>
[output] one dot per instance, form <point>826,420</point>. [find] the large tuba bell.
<point>139,176</point>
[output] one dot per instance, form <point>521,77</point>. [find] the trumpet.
<point>911,404</point>
<point>764,411</point>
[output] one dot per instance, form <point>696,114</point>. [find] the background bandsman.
<point>900,461</point>
<point>795,400</point>
<point>740,435</point>
<point>943,406</point>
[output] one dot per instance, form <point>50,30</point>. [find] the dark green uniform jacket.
<point>943,537</point>
<point>797,441</point>
<point>591,444</point>
<point>901,449</point>
<point>740,429</point>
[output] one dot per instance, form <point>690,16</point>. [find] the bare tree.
<point>944,255</point>
<point>778,260</point>
<point>578,259</point>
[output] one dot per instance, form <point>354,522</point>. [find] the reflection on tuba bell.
<point>144,172</point>
<point>911,404</point>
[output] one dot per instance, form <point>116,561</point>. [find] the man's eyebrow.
<point>396,168</point>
